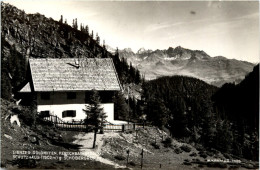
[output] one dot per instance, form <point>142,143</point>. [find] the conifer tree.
<point>121,108</point>
<point>97,38</point>
<point>137,77</point>
<point>92,34</point>
<point>95,114</point>
<point>61,19</point>
<point>87,29</point>
<point>76,24</point>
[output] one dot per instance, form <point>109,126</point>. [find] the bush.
<point>217,164</point>
<point>201,166</point>
<point>199,147</point>
<point>186,163</point>
<point>203,154</point>
<point>196,161</point>
<point>155,145</point>
<point>27,116</point>
<point>193,154</point>
<point>167,142</point>
<point>177,150</point>
<point>186,148</point>
<point>234,166</point>
<point>120,157</point>
<point>186,160</point>
<point>132,163</point>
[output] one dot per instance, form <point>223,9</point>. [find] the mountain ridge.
<point>182,61</point>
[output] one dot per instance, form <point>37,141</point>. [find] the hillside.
<point>223,118</point>
<point>159,149</point>
<point>18,133</point>
<point>194,63</point>
<point>240,104</point>
<point>26,36</point>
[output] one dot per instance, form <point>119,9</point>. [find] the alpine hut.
<point>62,86</point>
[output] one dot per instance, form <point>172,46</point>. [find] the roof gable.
<point>73,74</point>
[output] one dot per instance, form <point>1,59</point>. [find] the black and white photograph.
<point>116,84</point>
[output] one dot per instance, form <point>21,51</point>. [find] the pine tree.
<point>76,24</point>
<point>92,34</point>
<point>61,19</point>
<point>95,114</point>
<point>180,122</point>
<point>121,108</point>
<point>158,112</point>
<point>87,29</point>
<point>97,38</point>
<point>137,77</point>
<point>6,88</point>
<point>81,27</point>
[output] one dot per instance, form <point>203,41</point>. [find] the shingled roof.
<point>72,74</point>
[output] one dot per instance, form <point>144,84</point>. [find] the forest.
<point>223,118</point>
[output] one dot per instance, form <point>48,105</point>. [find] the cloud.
<point>156,27</point>
<point>249,16</point>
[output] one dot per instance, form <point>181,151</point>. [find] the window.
<point>45,96</point>
<point>45,113</point>
<point>69,113</point>
<point>71,95</point>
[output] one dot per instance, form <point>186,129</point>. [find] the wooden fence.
<point>70,126</point>
<point>122,128</point>
<point>80,126</point>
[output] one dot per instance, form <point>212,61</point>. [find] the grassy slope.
<point>14,138</point>
<point>174,156</point>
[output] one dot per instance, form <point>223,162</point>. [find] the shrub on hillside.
<point>217,164</point>
<point>167,142</point>
<point>193,154</point>
<point>200,147</point>
<point>186,148</point>
<point>27,116</point>
<point>155,145</point>
<point>203,154</point>
<point>132,163</point>
<point>120,157</point>
<point>177,150</point>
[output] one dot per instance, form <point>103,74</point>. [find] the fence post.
<point>127,157</point>
<point>142,154</point>
<point>134,126</point>
<point>123,128</point>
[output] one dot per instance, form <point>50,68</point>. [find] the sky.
<point>220,28</point>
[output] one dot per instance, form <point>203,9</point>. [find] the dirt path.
<point>86,140</point>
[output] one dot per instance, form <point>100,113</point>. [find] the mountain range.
<point>181,61</point>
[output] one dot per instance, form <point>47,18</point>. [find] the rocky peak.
<point>127,50</point>
<point>141,51</point>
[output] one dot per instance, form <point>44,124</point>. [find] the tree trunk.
<point>95,136</point>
